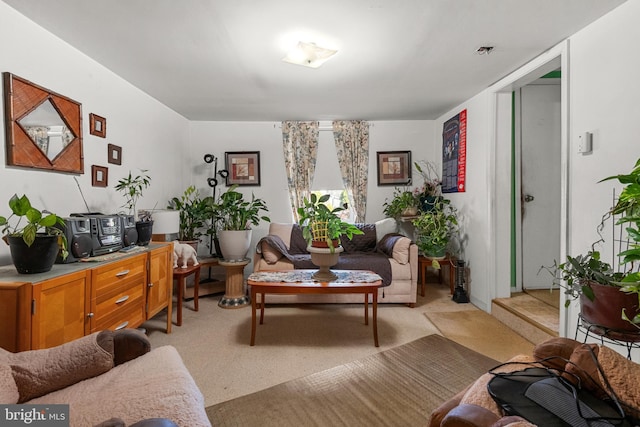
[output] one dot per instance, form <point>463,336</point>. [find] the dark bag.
<point>542,397</point>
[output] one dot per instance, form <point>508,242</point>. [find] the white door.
<point>540,181</point>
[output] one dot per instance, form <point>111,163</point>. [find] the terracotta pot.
<point>606,308</point>
<point>324,244</point>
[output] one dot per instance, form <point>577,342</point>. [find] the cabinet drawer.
<point>115,274</point>
<point>130,316</point>
<point>118,298</point>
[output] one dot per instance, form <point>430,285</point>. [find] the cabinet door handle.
<point>150,285</point>
<point>90,315</point>
<point>122,273</point>
<point>122,325</point>
<point>122,299</point>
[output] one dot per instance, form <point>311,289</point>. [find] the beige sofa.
<point>107,379</point>
<point>402,257</point>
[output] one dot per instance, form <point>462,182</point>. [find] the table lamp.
<point>166,225</point>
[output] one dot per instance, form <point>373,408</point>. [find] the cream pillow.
<point>401,250</point>
<point>283,231</point>
<point>270,255</point>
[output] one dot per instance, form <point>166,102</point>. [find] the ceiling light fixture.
<point>308,55</point>
<point>484,50</point>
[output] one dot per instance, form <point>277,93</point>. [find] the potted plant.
<point>234,216</point>
<point>131,188</point>
<point>430,192</point>
<point>403,203</point>
<point>435,228</point>
<point>627,209</point>
<point>35,245</point>
<point>321,226</point>
<point>194,211</point>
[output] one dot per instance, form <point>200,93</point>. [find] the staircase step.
<point>530,318</point>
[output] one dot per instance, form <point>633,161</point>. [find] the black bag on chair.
<point>544,398</point>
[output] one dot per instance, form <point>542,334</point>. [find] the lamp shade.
<point>166,225</point>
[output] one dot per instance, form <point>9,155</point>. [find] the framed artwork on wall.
<point>99,176</point>
<point>97,125</point>
<point>394,167</point>
<point>243,167</point>
<point>114,154</point>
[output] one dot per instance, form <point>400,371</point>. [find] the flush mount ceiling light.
<point>309,55</point>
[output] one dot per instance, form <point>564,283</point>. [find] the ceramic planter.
<point>234,244</point>
<point>145,230</point>
<point>606,308</point>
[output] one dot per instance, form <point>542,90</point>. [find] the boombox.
<point>93,234</point>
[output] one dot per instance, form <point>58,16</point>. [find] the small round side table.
<point>234,295</point>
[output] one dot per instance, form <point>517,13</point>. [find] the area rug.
<point>400,386</point>
<point>481,332</point>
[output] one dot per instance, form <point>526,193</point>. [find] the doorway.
<point>537,144</point>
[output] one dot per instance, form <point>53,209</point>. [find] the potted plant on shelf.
<point>430,192</point>
<point>35,245</point>
<point>131,188</point>
<point>435,228</point>
<point>234,216</point>
<point>194,211</point>
<point>403,203</point>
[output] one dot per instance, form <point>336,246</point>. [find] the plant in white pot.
<point>35,244</point>
<point>234,216</point>
<point>194,211</point>
<point>131,188</point>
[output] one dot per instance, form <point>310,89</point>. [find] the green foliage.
<point>436,227</point>
<point>574,275</point>
<point>402,199</point>
<point>232,212</point>
<point>316,215</point>
<point>194,211</point>
<point>131,188</point>
<point>36,222</point>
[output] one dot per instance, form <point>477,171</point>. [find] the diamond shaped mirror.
<point>43,128</point>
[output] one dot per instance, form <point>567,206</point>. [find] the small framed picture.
<point>99,176</point>
<point>114,154</point>
<point>97,125</point>
<point>394,167</point>
<point>243,167</point>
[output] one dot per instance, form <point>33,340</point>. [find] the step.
<point>530,318</point>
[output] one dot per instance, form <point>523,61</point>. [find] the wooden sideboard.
<point>72,300</point>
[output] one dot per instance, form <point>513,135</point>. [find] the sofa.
<point>380,249</point>
<point>595,367</point>
<point>108,379</point>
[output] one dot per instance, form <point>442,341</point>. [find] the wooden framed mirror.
<point>43,129</point>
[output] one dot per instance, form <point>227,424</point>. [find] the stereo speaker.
<point>79,243</point>
<point>129,231</point>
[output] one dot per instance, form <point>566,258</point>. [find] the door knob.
<point>528,198</point>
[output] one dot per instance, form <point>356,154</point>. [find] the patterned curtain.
<point>300,144</point>
<point>352,146</point>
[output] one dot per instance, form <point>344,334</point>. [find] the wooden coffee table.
<point>300,282</point>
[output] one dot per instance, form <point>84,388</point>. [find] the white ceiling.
<point>397,59</point>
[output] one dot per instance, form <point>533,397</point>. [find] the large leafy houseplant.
<point>403,202</point>
<point>435,228</point>
<point>194,212</point>
<point>321,223</point>
<point>233,212</point>
<point>27,224</point>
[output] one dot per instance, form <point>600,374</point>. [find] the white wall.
<point>266,137</point>
<point>603,100</point>
<point>150,134</point>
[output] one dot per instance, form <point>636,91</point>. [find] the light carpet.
<point>482,332</point>
<point>397,387</point>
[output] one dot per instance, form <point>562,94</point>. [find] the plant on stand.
<point>34,245</point>
<point>194,211</point>
<point>435,229</point>
<point>403,203</point>
<point>321,226</point>
<point>234,216</point>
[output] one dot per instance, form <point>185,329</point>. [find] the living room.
<point>598,62</point>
